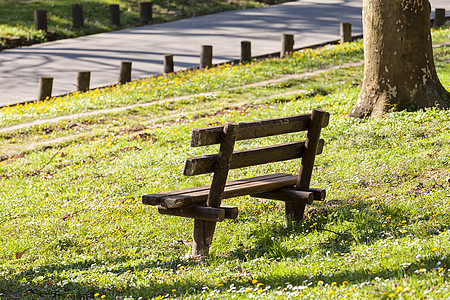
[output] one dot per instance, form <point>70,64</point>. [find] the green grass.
<point>17,17</point>
<point>180,84</point>
<point>72,225</point>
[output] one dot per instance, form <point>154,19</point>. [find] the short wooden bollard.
<point>45,87</point>
<point>206,57</point>
<point>287,44</point>
<point>346,32</point>
<point>114,14</point>
<point>40,19</point>
<point>168,63</point>
<point>439,17</point>
<point>145,12</point>
<point>77,16</point>
<point>125,72</point>
<point>246,51</point>
<point>83,81</point>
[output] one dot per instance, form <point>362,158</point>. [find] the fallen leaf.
<point>19,254</point>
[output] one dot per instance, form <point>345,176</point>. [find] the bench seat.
<point>258,186</point>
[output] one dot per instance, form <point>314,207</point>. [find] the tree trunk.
<point>399,70</point>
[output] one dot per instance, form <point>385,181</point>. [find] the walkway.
<point>311,22</point>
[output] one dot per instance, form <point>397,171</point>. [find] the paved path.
<point>311,22</point>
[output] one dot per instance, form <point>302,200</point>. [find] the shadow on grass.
<point>367,217</point>
<point>366,223</point>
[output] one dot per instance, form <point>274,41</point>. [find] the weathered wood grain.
<point>250,157</point>
<point>295,213</point>
<point>231,212</point>
<point>287,194</point>
<point>203,213</point>
<point>251,130</point>
<point>244,188</point>
<point>155,199</point>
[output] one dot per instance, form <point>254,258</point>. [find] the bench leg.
<point>294,213</point>
<point>203,237</point>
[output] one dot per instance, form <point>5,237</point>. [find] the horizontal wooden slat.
<point>234,190</point>
<point>250,130</point>
<point>250,157</point>
<point>155,199</point>
<point>317,194</point>
<point>202,212</point>
<point>196,212</point>
<point>287,194</point>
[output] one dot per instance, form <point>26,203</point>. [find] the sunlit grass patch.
<point>183,83</point>
<point>72,225</point>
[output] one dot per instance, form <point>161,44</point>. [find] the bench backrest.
<point>251,130</point>
<point>227,159</point>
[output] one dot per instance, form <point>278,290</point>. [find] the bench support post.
<point>295,211</point>
<point>204,230</point>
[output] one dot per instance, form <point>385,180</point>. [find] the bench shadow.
<point>57,285</point>
<point>53,288</point>
<point>372,222</point>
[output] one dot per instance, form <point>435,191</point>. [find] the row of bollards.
<point>206,56</point>
<point>439,17</point>
<point>206,52</point>
<point>145,16</point>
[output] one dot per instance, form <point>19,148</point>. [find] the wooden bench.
<point>203,203</point>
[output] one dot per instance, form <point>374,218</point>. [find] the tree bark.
<point>399,71</point>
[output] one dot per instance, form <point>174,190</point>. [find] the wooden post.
<point>287,44</point>
<point>168,63</point>
<point>45,87</point>
<point>83,80</point>
<point>246,51</point>
<point>40,19</point>
<point>205,57</point>
<point>346,32</point>
<point>125,72</point>
<point>145,12</point>
<point>294,211</point>
<point>114,14</point>
<point>439,17</point>
<point>204,230</point>
<point>77,16</point>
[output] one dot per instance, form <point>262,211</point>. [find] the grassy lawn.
<point>72,224</point>
<point>17,15</point>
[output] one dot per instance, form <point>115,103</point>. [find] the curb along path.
<point>310,21</point>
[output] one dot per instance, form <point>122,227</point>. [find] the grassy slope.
<point>17,16</point>
<point>73,206</point>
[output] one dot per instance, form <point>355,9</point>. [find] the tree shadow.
<point>54,280</point>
